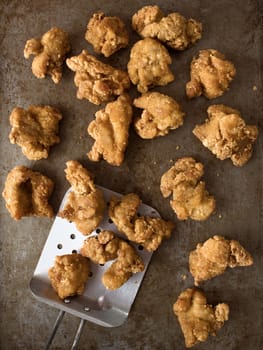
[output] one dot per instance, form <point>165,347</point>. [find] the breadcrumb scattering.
<point>226,134</point>
<point>110,130</point>
<point>85,203</point>
<point>106,34</point>
<point>50,53</point>
<point>96,81</point>
<point>161,113</point>
<point>27,192</point>
<point>35,130</point>
<point>149,65</point>
<point>212,258</point>
<point>210,74</point>
<point>173,30</point>
<point>69,275</point>
<point>107,246</point>
<point>190,198</point>
<point>147,231</point>
<point>198,319</point>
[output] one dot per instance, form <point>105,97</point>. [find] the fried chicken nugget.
<point>210,74</point>
<point>26,193</point>
<point>147,231</point>
<point>50,52</point>
<point>35,130</point>
<point>173,30</point>
<point>190,198</point>
<point>197,318</point>
<point>212,258</point>
<point>96,81</point>
<point>107,246</point>
<point>161,113</point>
<point>85,203</point>
<point>69,275</point>
<point>106,34</point>
<point>111,131</point>
<point>149,65</point>
<point>226,134</point>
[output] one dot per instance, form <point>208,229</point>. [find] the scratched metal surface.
<point>232,27</point>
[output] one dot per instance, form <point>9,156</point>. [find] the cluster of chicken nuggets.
<point>224,133</point>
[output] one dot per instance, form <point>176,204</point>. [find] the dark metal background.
<point>235,29</point>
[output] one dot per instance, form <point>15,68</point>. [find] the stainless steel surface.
<point>234,28</point>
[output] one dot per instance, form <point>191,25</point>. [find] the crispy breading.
<point>110,130</point>
<point>173,30</point>
<point>190,198</point>
<point>161,113</point>
<point>50,53</point>
<point>85,203</point>
<point>35,130</point>
<point>106,34</point>
<point>147,231</point>
<point>96,81</point>
<point>27,192</point>
<point>69,275</point>
<point>198,319</point>
<point>210,74</point>
<point>226,134</point>
<point>212,258</point>
<point>149,65</point>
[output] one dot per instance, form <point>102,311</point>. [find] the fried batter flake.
<point>96,81</point>
<point>69,275</point>
<point>198,319</point>
<point>190,198</point>
<point>85,203</point>
<point>35,130</point>
<point>106,34</point>
<point>147,231</point>
<point>111,131</point>
<point>26,193</point>
<point>161,113</point>
<point>210,74</point>
<point>173,30</point>
<point>212,258</point>
<point>226,134</point>
<point>50,52</point>
<point>149,65</point>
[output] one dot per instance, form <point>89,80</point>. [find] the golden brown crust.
<point>26,193</point>
<point>35,130</point>
<point>198,319</point>
<point>110,130</point>
<point>96,81</point>
<point>69,275</point>
<point>50,53</point>
<point>106,34</point>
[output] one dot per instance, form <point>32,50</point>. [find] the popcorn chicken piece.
<point>226,134</point>
<point>107,246</point>
<point>149,65</point>
<point>161,113</point>
<point>212,258</point>
<point>69,275</point>
<point>50,52</point>
<point>96,81</point>
<point>35,130</point>
<point>147,231</point>
<point>111,131</point>
<point>174,30</point>
<point>106,34</point>
<point>190,198</point>
<point>210,74</point>
<point>198,319</point>
<point>26,193</point>
<point>85,203</point>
